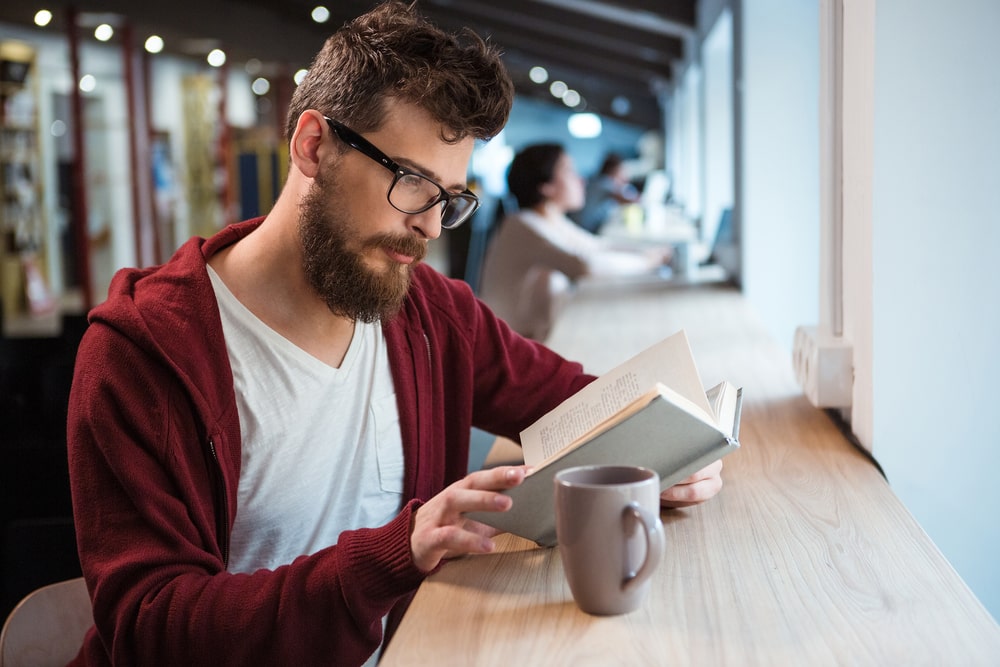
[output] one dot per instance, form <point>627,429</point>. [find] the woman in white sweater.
<point>537,253</point>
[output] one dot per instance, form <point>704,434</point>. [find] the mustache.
<point>404,245</point>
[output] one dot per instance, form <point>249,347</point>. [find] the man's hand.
<point>697,488</point>
<point>441,531</point>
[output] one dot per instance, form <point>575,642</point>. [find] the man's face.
<point>334,250</point>
<point>358,251</point>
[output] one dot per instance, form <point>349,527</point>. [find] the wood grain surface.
<point>805,558</point>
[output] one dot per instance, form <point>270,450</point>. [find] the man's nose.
<point>426,225</point>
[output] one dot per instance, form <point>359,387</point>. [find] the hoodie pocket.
<point>388,443</point>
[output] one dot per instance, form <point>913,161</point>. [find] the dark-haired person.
<point>538,252</point>
<point>268,435</point>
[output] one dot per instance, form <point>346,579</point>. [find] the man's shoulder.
<point>185,273</point>
<point>424,274</point>
<point>430,287</point>
<point>434,297</point>
<point>161,306</point>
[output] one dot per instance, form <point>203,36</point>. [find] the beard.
<point>333,258</point>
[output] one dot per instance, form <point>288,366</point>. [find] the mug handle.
<point>655,544</point>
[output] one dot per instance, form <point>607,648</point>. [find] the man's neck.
<point>263,271</point>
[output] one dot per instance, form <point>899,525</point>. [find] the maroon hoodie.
<point>154,455</point>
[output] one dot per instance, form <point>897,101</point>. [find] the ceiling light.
<point>538,74</point>
<point>43,17</point>
<point>260,86</point>
<point>300,75</point>
<point>584,125</point>
<point>104,32</point>
<point>558,89</point>
<point>571,98</point>
<point>321,14</point>
<point>216,58</point>
<point>154,44</point>
<point>621,105</point>
<point>88,83</point>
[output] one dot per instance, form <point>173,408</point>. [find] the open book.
<point>650,411</point>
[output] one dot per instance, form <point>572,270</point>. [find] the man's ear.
<point>304,147</point>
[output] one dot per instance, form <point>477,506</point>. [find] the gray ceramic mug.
<point>610,535</point>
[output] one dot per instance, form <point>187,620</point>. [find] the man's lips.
<point>400,250</point>
<point>399,257</point>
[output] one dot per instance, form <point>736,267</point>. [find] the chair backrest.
<point>47,627</point>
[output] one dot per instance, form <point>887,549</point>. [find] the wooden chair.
<point>47,627</point>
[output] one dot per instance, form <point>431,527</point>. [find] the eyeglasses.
<point>410,191</point>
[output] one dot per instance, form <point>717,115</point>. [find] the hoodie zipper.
<point>222,508</point>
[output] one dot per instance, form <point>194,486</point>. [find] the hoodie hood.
<point>170,312</point>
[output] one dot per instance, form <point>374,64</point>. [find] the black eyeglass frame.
<point>365,147</point>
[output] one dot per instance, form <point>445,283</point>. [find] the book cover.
<point>660,428</point>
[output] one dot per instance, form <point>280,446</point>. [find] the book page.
<point>669,362</point>
<point>581,417</point>
<point>724,399</point>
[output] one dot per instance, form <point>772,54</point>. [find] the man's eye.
<point>411,181</point>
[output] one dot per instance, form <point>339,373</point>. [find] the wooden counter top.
<point>806,557</point>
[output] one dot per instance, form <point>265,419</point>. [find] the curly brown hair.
<point>393,52</point>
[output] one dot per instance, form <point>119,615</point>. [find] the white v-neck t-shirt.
<point>322,450</point>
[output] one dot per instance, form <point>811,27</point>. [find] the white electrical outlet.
<point>824,367</point>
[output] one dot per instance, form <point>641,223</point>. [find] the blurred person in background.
<point>607,191</point>
<point>538,252</point>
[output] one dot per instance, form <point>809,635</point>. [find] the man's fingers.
<point>501,477</point>
<point>686,495</point>
<point>713,469</point>
<point>440,529</point>
<point>452,539</point>
<point>460,501</point>
<point>696,489</point>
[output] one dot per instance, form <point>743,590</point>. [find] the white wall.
<point>684,158</point>
<point>718,112</point>
<point>780,169</point>
<point>927,223</point>
<point>856,125</point>
<point>936,292</point>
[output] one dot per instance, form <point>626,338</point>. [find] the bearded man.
<point>269,434</point>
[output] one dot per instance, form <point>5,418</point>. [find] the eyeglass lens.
<point>413,193</point>
<point>458,211</point>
